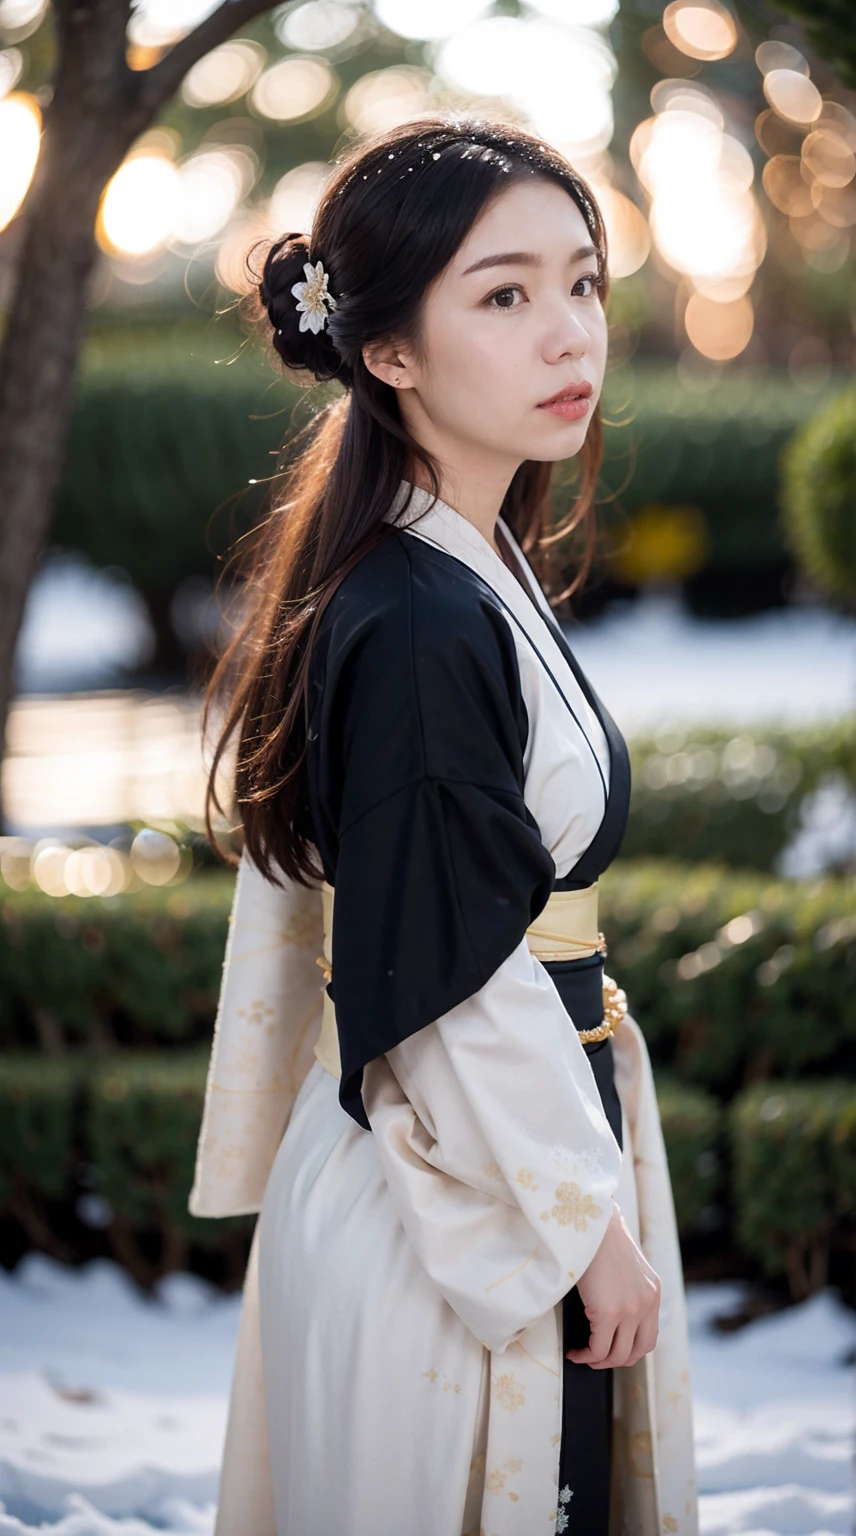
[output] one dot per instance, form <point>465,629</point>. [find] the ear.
<point>385,361</point>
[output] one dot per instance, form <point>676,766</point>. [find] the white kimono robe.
<point>399,1360</point>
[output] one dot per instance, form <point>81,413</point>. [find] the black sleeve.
<point>416,784</point>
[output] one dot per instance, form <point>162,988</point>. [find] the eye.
<point>511,288</point>
<point>498,293</point>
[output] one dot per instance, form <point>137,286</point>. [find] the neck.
<point>477,497</point>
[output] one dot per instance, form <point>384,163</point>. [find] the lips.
<point>569,392</point>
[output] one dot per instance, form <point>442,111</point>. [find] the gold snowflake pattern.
<point>496,1479</point>
<point>509,1392</point>
<point>573,1207</point>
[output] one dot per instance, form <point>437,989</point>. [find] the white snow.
<point>653,663</point>
<point>650,660</point>
<point>113,1407</point>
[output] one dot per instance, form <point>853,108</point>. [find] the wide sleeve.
<point>496,1150</point>
<point>416,758</point>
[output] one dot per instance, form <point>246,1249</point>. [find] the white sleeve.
<point>496,1150</point>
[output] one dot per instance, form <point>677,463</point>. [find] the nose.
<point>568,335</point>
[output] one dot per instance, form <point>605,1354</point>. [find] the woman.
<point>463,1310</point>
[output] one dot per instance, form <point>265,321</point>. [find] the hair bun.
<point>307,350</point>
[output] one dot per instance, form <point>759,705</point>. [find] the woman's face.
<point>515,318</point>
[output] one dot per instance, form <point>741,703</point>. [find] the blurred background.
<point>143,148</point>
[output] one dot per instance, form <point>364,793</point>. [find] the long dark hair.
<point>392,215</point>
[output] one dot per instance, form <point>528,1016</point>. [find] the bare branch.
<point>159,83</point>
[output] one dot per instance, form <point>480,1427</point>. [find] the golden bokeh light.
<point>578,13</point>
<point>836,205</point>
<point>20,18</point>
<point>155,857</point>
<point>786,186</point>
<point>776,136</point>
<point>48,868</point>
<point>295,197</point>
<point>212,183</point>
<point>828,158</point>
<point>793,95</point>
<point>139,206</point>
<point>703,29</point>
<point>839,121</point>
<point>20,136</point>
<point>628,235</point>
<point>318,25</point>
<point>225,74</point>
<point>231,262</point>
<point>96,871</point>
<point>427,19</point>
<point>813,232</point>
<point>11,69</point>
<point>386,97</point>
<point>295,89</point>
<point>719,331</point>
<point>774,54</point>
<point>157,23</point>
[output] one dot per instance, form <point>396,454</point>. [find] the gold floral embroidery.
<point>573,1206</point>
<point>509,1392</point>
<point>526,1179</point>
<point>257,1012</point>
<point>669,1523</point>
<point>448,1386</point>
<point>639,1455</point>
<point>492,1170</point>
<point>495,1480</point>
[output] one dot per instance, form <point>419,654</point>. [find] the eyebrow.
<point>524,259</point>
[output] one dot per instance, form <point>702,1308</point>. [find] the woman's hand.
<point>621,1296</point>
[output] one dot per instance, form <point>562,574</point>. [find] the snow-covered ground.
<point>650,661</point>
<point>113,1408</point>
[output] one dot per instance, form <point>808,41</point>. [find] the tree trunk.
<point>98,108</point>
<point>86,135</point>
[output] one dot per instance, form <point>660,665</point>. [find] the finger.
<point>622,1345</point>
<point>646,1336</point>
<point>600,1342</point>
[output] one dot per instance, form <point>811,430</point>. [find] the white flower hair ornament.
<point>313,297</point>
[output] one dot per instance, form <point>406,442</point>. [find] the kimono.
<point>427,1203</point>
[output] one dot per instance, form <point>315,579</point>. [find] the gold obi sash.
<point>566,929</point>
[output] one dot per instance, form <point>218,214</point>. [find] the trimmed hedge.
<point>123,1132</point>
<point>693,1123</point>
<point>734,796</point>
<point>127,1131</point>
<point>819,496</point>
<point>739,982</point>
<point>162,435</point>
<point>735,977</point>
<point>794,1151</point>
<point>141,969</point>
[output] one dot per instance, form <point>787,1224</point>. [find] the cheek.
<point>471,363</point>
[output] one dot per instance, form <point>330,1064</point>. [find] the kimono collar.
<point>448,529</point>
